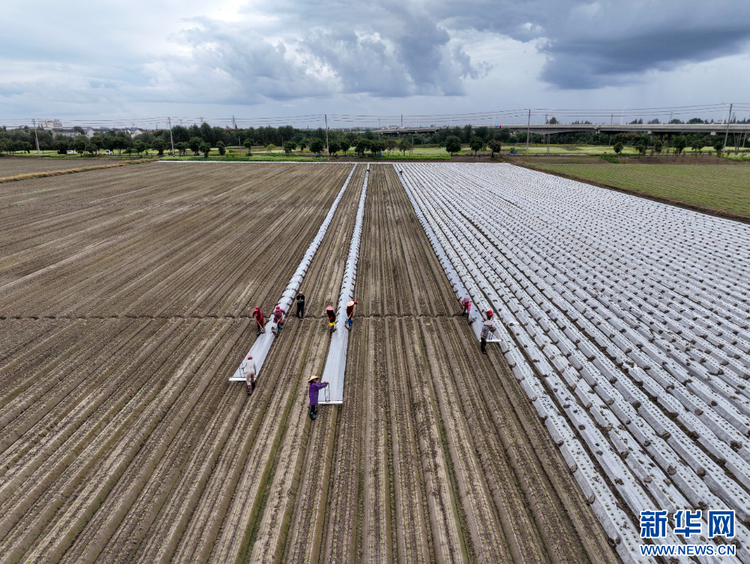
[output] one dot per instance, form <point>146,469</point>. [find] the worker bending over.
<point>350,313</point>
<point>278,319</point>
<point>260,320</point>
<point>248,368</point>
<point>466,304</point>
<point>487,328</point>
<point>331,313</point>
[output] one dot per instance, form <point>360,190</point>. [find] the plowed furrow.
<point>128,512</point>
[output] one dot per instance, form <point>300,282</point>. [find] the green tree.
<point>362,146</point>
<point>159,145</point>
<point>195,145</point>
<point>317,145</point>
<point>453,145</point>
<point>376,147</point>
<point>404,145</point>
<point>495,146</point>
<point>333,147</point>
<point>221,146</point>
<point>182,148</point>
<point>205,148</point>
<point>679,144</point>
<point>270,148</point>
<point>344,145</point>
<point>476,144</point>
<point>96,143</point>
<point>719,146</point>
<point>641,147</point>
<point>61,145</point>
<point>79,144</point>
<point>121,143</point>
<point>289,146</point>
<point>658,146</point>
<point>618,147</point>
<point>139,147</point>
<point>248,144</point>
<point>696,144</point>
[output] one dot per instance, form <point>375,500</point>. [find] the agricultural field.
<point>125,297</point>
<point>10,166</point>
<point>627,324</point>
<point>724,187</point>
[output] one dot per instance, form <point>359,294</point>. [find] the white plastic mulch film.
<point>625,321</point>
<point>263,343</point>
<point>335,367</point>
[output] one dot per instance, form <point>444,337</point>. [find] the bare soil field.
<point>10,166</point>
<point>124,307</point>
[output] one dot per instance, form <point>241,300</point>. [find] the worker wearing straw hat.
<point>248,367</point>
<point>331,313</point>
<point>350,313</point>
<point>314,387</point>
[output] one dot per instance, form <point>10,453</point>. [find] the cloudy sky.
<point>132,59</point>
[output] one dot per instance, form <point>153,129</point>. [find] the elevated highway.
<point>551,129</point>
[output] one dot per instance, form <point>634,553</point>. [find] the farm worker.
<point>466,304</point>
<point>314,388</point>
<point>300,305</point>
<point>331,313</point>
<point>248,367</point>
<point>260,320</point>
<point>278,318</point>
<point>350,313</point>
<point>487,328</point>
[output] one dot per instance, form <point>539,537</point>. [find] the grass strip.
<point>28,175</point>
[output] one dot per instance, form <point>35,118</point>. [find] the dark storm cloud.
<point>596,44</point>
<point>389,49</point>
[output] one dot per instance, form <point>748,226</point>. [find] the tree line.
<point>200,139</point>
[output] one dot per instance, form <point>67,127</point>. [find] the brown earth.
<point>12,166</point>
<point>124,303</point>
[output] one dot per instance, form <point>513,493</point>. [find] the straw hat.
<point>313,377</point>
<point>350,304</point>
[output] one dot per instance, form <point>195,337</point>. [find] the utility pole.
<point>402,121</point>
<point>729,118</point>
<point>234,123</point>
<point>528,132</point>
<point>33,121</point>
<point>201,118</point>
<point>169,121</point>
<point>326,116</point>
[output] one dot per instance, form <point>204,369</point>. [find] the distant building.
<point>71,132</point>
<point>66,131</point>
<point>50,124</point>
